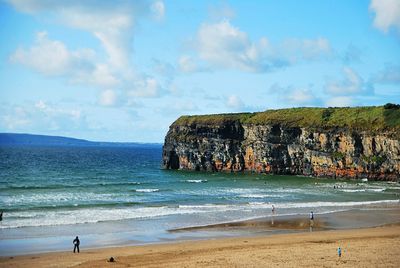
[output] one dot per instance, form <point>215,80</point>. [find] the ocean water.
<point>121,193</point>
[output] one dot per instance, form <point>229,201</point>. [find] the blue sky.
<point>125,70</point>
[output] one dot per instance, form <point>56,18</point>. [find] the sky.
<point>125,70</point>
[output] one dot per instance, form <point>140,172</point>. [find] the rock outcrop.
<point>289,142</point>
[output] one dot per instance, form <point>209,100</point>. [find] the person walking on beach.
<point>311,219</point>
<point>76,243</point>
<point>339,252</point>
<point>272,216</point>
<point>1,216</point>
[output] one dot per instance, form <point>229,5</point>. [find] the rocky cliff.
<point>362,142</point>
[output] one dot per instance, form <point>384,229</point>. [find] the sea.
<point>114,195</point>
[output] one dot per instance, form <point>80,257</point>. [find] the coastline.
<point>24,241</point>
<point>366,247</point>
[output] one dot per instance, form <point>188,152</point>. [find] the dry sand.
<point>371,247</point>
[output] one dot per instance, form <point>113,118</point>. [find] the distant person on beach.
<point>273,209</point>
<point>1,216</point>
<point>311,219</point>
<point>339,252</point>
<point>76,243</point>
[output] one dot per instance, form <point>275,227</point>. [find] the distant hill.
<point>44,140</point>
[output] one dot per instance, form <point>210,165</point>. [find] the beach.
<point>366,247</point>
<point>121,204</point>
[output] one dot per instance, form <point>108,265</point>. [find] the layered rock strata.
<point>236,145</point>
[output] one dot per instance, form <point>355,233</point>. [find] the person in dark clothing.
<point>76,244</point>
<point>1,216</point>
<point>311,220</point>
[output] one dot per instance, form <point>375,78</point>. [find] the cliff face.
<point>236,145</point>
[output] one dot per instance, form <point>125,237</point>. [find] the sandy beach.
<point>368,247</point>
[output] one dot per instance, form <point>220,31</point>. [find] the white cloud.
<point>340,101</point>
<point>187,64</point>
<point>352,84</point>
<point>99,75</point>
<point>387,14</point>
<point>295,96</point>
<point>301,97</point>
<point>14,119</point>
<point>112,23</point>
<point>108,98</point>
<point>158,10</point>
<point>39,116</point>
<point>308,49</point>
<point>224,46</point>
<point>53,58</point>
<point>146,88</point>
<point>47,56</point>
<point>234,102</point>
<point>102,75</point>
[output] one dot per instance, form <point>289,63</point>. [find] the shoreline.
<point>336,220</point>
<point>265,226</point>
<point>367,247</point>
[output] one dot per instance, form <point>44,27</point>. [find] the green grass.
<point>212,119</point>
<point>374,118</point>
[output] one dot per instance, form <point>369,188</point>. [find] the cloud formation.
<point>223,45</point>
<point>146,88</point>
<point>42,115</point>
<point>296,96</point>
<point>301,97</point>
<point>351,84</point>
<point>343,92</point>
<point>158,10</point>
<point>234,102</point>
<point>108,97</point>
<point>387,14</point>
<point>111,23</point>
<point>187,64</point>
<point>51,57</point>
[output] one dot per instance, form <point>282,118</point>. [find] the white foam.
<point>93,215</point>
<point>352,190</point>
<point>57,198</point>
<point>147,190</point>
<point>377,190</point>
<point>363,190</point>
<point>195,181</point>
<point>260,195</point>
<point>334,204</point>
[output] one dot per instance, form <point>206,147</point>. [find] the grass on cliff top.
<point>374,118</point>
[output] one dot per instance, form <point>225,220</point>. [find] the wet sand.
<point>284,224</point>
<point>369,247</point>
